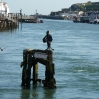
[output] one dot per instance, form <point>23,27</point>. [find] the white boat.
<point>96,21</point>
<point>4,9</point>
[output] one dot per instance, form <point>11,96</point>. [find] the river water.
<point>75,55</point>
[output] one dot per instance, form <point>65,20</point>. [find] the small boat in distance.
<point>81,19</point>
<point>76,20</point>
<point>30,21</point>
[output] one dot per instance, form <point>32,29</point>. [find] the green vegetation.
<point>89,6</point>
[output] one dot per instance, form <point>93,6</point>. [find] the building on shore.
<point>75,10</point>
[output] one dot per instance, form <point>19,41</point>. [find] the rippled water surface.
<point>75,55</point>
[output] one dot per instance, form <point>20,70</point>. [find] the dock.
<point>31,58</point>
<point>9,22</point>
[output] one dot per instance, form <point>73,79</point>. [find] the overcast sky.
<point>42,6</point>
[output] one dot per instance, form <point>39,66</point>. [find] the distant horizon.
<point>45,8</point>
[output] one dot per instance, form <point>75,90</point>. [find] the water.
<point>76,59</point>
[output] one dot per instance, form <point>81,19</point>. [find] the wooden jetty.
<point>9,22</point>
<point>31,58</point>
<point>30,19</point>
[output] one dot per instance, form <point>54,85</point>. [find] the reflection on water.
<point>8,30</point>
<point>37,93</point>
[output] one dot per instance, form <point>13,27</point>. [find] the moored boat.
<point>96,21</point>
<point>76,20</point>
<point>30,21</point>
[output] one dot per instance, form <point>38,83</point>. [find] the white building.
<point>4,9</point>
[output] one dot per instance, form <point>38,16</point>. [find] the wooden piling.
<point>50,81</point>
<point>35,72</point>
<point>24,64</point>
<point>31,59</point>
